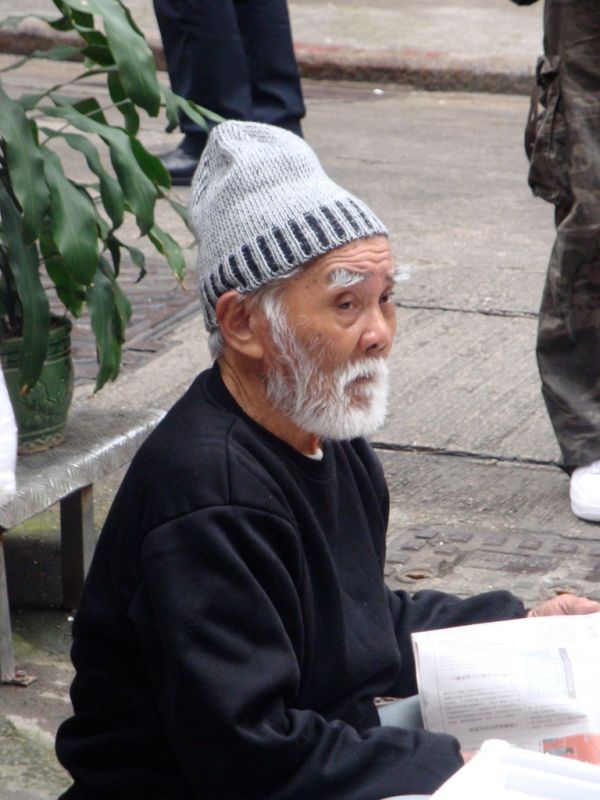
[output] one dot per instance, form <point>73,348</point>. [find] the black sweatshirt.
<point>235,627</point>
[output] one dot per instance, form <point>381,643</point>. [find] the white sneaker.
<point>585,492</point>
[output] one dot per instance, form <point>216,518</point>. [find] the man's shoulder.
<point>195,420</point>
<point>201,460</point>
<point>363,453</point>
<point>204,452</point>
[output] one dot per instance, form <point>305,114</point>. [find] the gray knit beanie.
<point>262,205</point>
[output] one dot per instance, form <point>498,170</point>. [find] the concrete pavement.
<point>477,500</point>
<point>473,45</point>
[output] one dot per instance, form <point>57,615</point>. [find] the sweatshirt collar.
<point>309,465</point>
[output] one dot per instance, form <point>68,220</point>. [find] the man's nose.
<point>379,331</point>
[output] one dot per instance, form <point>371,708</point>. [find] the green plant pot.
<point>41,414</point>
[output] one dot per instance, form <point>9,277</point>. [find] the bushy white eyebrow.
<point>402,272</point>
<point>342,277</point>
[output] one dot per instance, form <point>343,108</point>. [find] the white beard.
<point>327,404</point>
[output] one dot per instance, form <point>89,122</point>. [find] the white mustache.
<point>369,368</point>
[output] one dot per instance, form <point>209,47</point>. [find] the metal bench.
<point>98,442</point>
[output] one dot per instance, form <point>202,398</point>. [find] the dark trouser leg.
<point>205,57</point>
<point>568,348</point>
<point>566,169</point>
<point>276,91</point>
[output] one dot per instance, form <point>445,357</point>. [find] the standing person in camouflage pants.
<point>563,145</point>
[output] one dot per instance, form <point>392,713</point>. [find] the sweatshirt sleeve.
<point>220,624</point>
<point>429,610</point>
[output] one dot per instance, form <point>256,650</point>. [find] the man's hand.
<point>565,604</point>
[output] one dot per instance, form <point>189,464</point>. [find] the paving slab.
<point>467,525</point>
<point>467,383</point>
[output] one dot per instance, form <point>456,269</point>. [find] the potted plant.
<point>60,237</point>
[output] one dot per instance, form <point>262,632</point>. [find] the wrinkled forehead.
<point>353,263</point>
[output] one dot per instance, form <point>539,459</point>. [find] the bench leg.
<point>78,540</point>
<point>8,674</point>
<point>7,659</point>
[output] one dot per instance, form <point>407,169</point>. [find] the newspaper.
<point>500,771</point>
<point>534,682</point>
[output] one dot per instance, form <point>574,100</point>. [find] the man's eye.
<point>386,298</point>
<point>346,305</point>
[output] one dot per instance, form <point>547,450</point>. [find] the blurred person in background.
<point>233,57</point>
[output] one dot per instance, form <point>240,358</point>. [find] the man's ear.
<point>238,322</point>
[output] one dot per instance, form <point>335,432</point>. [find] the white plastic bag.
<point>8,443</point>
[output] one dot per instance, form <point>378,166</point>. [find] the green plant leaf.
<point>174,103</point>
<point>71,294</point>
<point>3,303</point>
<point>23,258</point>
<point>29,101</point>
<point>103,226</point>
<point>99,54</point>
<point>61,7</point>
<point>11,305</point>
<point>62,24</point>
<point>138,258</point>
<point>123,103</point>
<point>88,106</point>
<point>179,209</point>
<point>91,36</point>
<point>196,112</point>
<point>166,245</point>
<point>59,53</point>
<point>131,20</point>
<point>152,165</point>
<point>111,193</point>
<point>139,191</point>
<point>24,164</point>
<point>82,20</point>
<point>130,50</point>
<point>123,307</point>
<point>114,248</point>
<point>122,304</point>
<point>171,108</point>
<point>105,322</point>
<point>73,221</point>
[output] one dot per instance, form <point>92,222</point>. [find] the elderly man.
<point>235,627</point>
